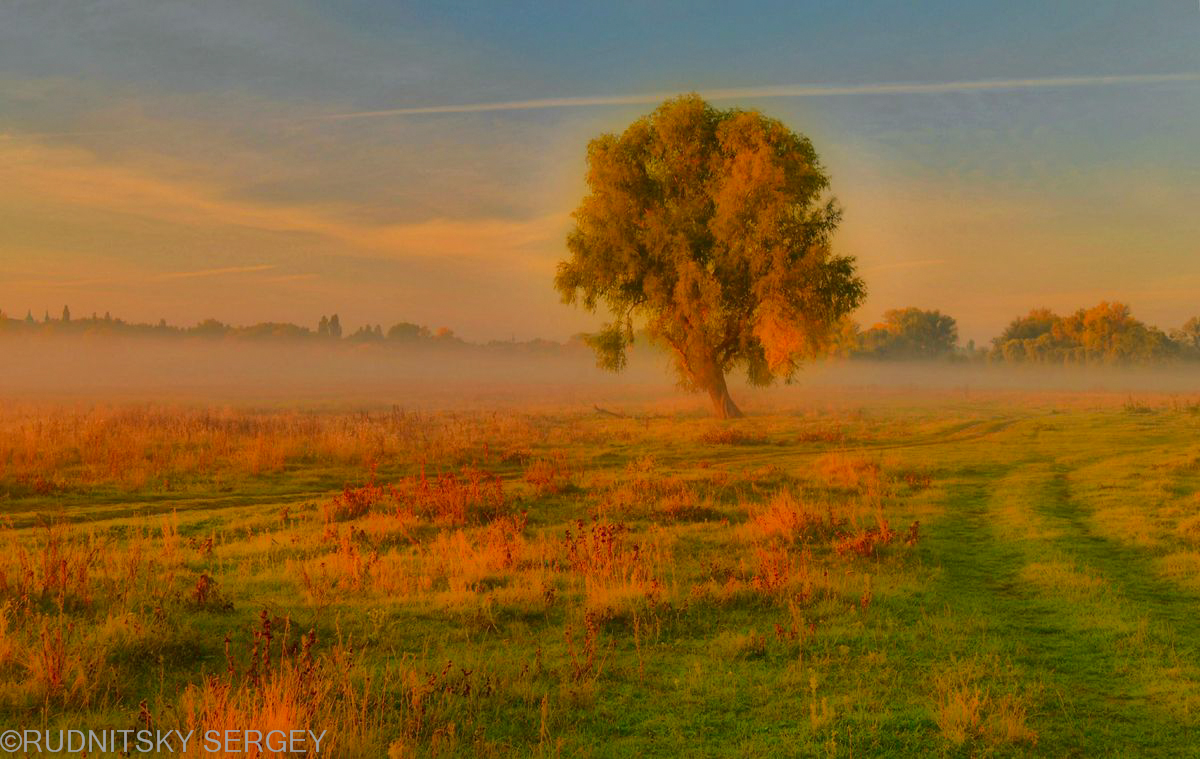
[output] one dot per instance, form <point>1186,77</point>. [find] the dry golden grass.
<point>486,584</point>
<point>284,684</point>
<point>1065,579</point>
<point>788,518</point>
<point>1182,567</point>
<point>45,449</point>
<point>968,709</point>
<point>843,470</point>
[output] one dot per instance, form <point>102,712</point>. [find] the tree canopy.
<point>711,228</point>
<point>911,333</point>
<point>1188,336</point>
<point>1106,333</point>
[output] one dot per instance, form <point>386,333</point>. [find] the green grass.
<point>1050,606</point>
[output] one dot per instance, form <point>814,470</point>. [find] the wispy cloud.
<point>74,178</point>
<point>904,265</point>
<point>213,272</point>
<point>147,278</point>
<point>288,278</point>
<point>781,91</point>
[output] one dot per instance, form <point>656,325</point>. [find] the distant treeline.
<point>328,331</point>
<point>1104,334</point>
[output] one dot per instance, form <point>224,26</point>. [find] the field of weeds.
<point>955,578</point>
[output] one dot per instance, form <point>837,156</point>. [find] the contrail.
<point>731,93</point>
<point>779,91</point>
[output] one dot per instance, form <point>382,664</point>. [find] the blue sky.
<point>253,160</point>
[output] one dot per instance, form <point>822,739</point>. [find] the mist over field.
<point>458,378</point>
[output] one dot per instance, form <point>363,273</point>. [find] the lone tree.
<point>710,227</point>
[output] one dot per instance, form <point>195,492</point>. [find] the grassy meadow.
<point>949,576</point>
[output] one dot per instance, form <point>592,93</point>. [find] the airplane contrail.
<point>779,91</point>
<point>768,91</point>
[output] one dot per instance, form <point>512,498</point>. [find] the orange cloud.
<point>75,178</point>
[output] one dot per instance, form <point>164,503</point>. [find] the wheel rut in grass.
<point>1087,702</point>
<point>1148,627</point>
<point>1131,569</point>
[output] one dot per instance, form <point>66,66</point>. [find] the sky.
<point>262,160</point>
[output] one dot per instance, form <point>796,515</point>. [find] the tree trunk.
<point>723,405</point>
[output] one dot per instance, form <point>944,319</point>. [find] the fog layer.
<point>117,370</point>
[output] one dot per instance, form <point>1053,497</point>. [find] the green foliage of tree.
<point>366,334</point>
<point>210,328</point>
<point>1104,334</point>
<point>269,331</point>
<point>1188,336</point>
<point>1038,322</point>
<point>911,333</point>
<point>711,228</point>
<point>407,332</point>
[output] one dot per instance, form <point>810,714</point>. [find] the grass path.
<point>1111,643</point>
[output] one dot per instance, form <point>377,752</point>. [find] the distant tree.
<point>366,333</point>
<point>323,326</point>
<point>1188,336</point>
<point>710,226</point>
<point>210,328</point>
<point>407,332</point>
<point>46,317</point>
<point>1038,322</point>
<point>1105,333</point>
<point>335,327</point>
<point>911,333</point>
<point>66,315</point>
<point>1012,351</point>
<point>1031,338</point>
<point>29,317</point>
<point>845,340</point>
<point>270,330</point>
<point>1108,332</point>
